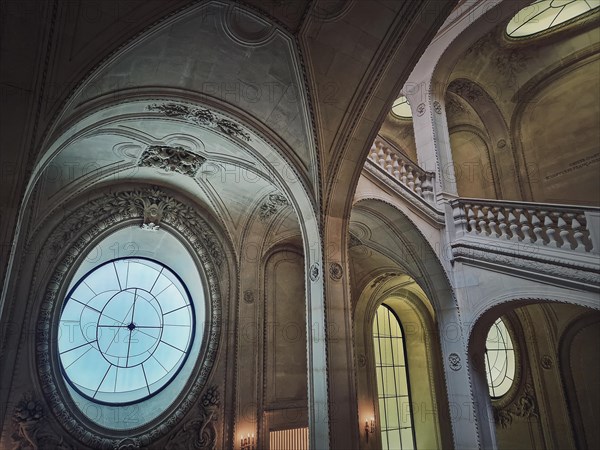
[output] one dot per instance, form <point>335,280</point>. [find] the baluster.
<point>550,231</point>
<point>502,225</point>
<point>418,188</point>
<point>381,156</point>
<point>537,229</point>
<point>524,222</point>
<point>578,235</point>
<point>395,169</point>
<point>410,178</point>
<point>494,232</point>
<point>481,222</point>
<point>563,226</point>
<point>374,153</point>
<point>514,227</point>
<point>403,174</point>
<point>388,163</point>
<point>471,218</point>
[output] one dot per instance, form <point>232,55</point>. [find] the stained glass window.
<point>401,107</point>
<point>395,411</point>
<point>125,331</point>
<point>542,15</point>
<point>499,359</point>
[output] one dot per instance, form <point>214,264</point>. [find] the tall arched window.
<point>393,390</point>
<point>499,359</point>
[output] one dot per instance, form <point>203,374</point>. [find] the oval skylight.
<point>542,15</point>
<point>401,108</point>
<point>499,359</point>
<point>126,331</point>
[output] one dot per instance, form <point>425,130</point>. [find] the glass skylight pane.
<point>114,342</point>
<point>545,14</point>
<point>401,107</point>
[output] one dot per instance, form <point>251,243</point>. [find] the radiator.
<point>294,439</point>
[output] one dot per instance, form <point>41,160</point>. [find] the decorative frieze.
<point>171,159</point>
<point>203,117</point>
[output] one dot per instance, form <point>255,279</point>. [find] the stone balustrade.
<point>556,226</point>
<point>400,167</point>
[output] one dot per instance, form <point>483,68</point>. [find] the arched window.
<point>393,390</point>
<point>499,359</point>
<point>401,108</point>
<point>542,15</point>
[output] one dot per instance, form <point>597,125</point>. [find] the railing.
<point>556,226</point>
<point>403,169</point>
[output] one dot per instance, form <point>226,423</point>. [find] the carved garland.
<point>203,117</point>
<point>81,228</point>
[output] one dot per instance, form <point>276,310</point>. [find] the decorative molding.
<point>354,241</point>
<point>30,426</point>
<point>271,205</point>
<point>249,296</point>
<point>314,272</point>
<point>203,117</point>
<point>546,362</point>
<point>437,107</point>
<point>76,234</point>
<point>454,361</point>
<point>383,277</point>
<point>171,159</point>
<point>335,271</point>
<point>524,407</point>
<point>199,432</point>
<point>151,204</point>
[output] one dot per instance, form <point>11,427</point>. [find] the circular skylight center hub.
<point>131,339</point>
<point>126,330</point>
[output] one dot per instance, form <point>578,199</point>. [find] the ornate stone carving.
<point>202,117</point>
<point>249,296</point>
<point>437,107</point>
<point>420,109</point>
<point>381,278</point>
<point>314,272</point>
<point>547,362</point>
<point>362,360</point>
<point>271,205</point>
<point>335,271</point>
<point>454,361</point>
<point>501,143</point>
<point>466,89</point>
<point>30,427</point>
<point>150,203</point>
<point>76,233</point>
<point>199,432</point>
<point>171,159</point>
<point>525,407</point>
